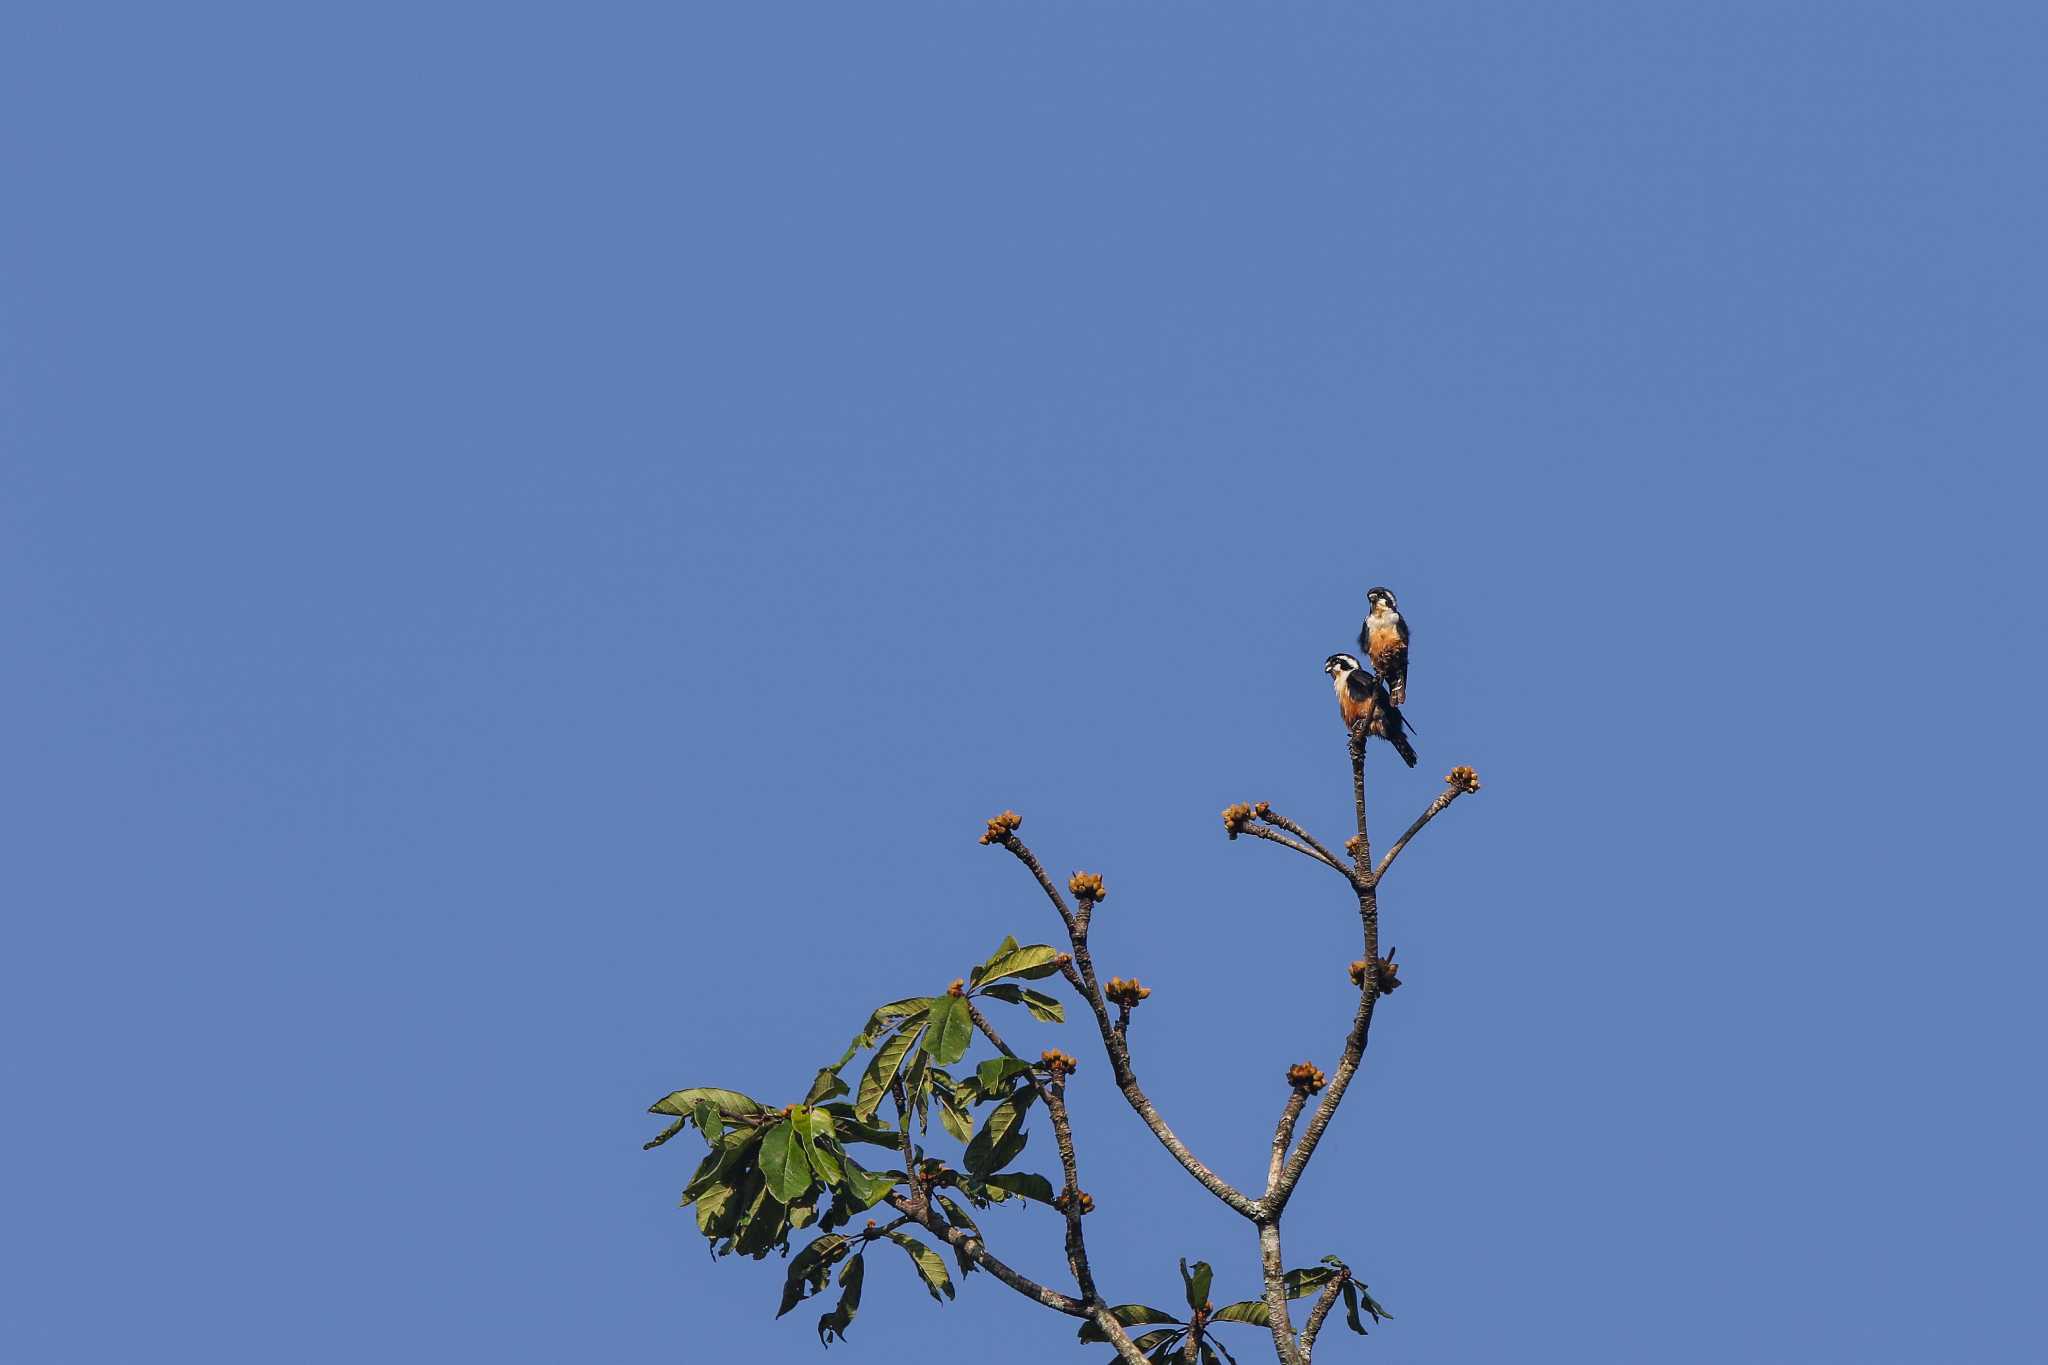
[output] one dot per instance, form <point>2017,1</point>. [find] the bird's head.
<point>1381,597</point>
<point>1337,665</point>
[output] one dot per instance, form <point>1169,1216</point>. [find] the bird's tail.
<point>1396,731</point>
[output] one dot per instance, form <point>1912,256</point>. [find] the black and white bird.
<point>1384,638</point>
<point>1363,697</point>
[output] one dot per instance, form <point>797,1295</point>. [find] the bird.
<point>1384,638</point>
<point>1363,697</point>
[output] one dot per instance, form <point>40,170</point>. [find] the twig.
<point>1270,837</point>
<point>1435,808</point>
<point>1079,972</point>
<point>1358,735</point>
<point>974,1249</point>
<point>1275,818</point>
<point>1284,1134</point>
<point>1347,1065</point>
<point>1325,1301</point>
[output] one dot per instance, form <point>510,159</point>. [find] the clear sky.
<point>531,540</point>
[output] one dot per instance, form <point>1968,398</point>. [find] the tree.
<point>770,1172</point>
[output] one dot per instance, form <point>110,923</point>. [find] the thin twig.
<point>1275,818</point>
<point>1435,808</point>
<point>1272,838</point>
<point>1358,735</point>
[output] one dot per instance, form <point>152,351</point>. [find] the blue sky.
<point>531,540</point>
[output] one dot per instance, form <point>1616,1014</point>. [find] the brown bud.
<point>1001,826</point>
<point>959,987</point>
<point>1388,979</point>
<point>1354,845</point>
<point>1058,1064</point>
<point>1236,817</point>
<point>1262,810</point>
<point>1306,1077</point>
<point>1071,1198</point>
<point>1087,886</point>
<point>1463,778</point>
<point>1125,993</point>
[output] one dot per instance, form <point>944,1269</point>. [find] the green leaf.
<point>1306,1281</point>
<point>730,1103</point>
<point>1001,1137</point>
<point>810,1269</point>
<point>1246,1310</point>
<point>1022,1183</point>
<point>828,1085</point>
<point>956,1119</point>
<point>664,1135</point>
<point>991,1077</point>
<point>824,1159</point>
<point>1355,1294</point>
<point>949,1030</point>
<point>957,1216</point>
<point>1042,1006</point>
<point>1026,964</point>
<point>1169,1347</point>
<point>863,1189</point>
<point>840,1318</point>
<point>931,1267</point>
<point>879,1022</point>
<point>782,1162</point>
<point>874,1082</point>
<point>1003,949</point>
<point>1196,1282</point>
<point>1209,1341</point>
<point>1130,1315</point>
<point>720,1161</point>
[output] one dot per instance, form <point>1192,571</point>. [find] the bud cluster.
<point>1236,817</point>
<point>1125,993</point>
<point>1057,1063</point>
<point>1388,979</point>
<point>1306,1077</point>
<point>1463,778</point>
<point>1071,1198</point>
<point>959,986</point>
<point>1087,886</point>
<point>1000,827</point>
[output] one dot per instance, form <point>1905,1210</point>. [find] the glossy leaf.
<point>827,1086</point>
<point>882,1069</point>
<point>731,1103</point>
<point>1034,1187</point>
<point>1003,949</point>
<point>824,1159</point>
<point>931,1267</point>
<point>1306,1281</point>
<point>783,1164</point>
<point>1130,1315</point>
<point>949,1030</point>
<point>1025,964</point>
<point>1001,1136</point>
<point>664,1135</point>
<point>863,1189</point>
<point>992,1076</point>
<point>1245,1310</point>
<point>840,1318</point>
<point>810,1270</point>
<point>956,1120</point>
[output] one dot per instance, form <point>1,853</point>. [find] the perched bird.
<point>1384,638</point>
<point>1361,696</point>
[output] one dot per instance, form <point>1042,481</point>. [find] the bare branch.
<point>1276,819</point>
<point>1080,974</point>
<point>974,1249</point>
<point>1358,733</point>
<point>1276,1291</point>
<point>1435,808</point>
<point>1347,1065</point>
<point>1270,837</point>
<point>1325,1301</point>
<point>1284,1134</point>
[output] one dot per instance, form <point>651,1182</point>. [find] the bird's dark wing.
<point>1364,629</point>
<point>1360,685</point>
<point>1402,621</point>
